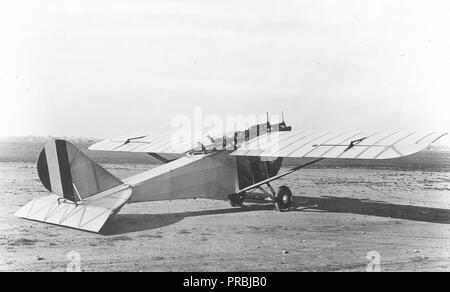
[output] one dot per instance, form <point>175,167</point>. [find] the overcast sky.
<point>103,68</point>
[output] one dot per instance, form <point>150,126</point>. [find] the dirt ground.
<point>341,215</point>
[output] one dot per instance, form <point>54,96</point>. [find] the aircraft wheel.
<point>236,200</point>
<point>283,199</point>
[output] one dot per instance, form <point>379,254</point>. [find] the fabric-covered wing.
<point>357,145</point>
<point>151,142</point>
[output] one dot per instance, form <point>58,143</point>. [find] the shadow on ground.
<point>372,208</point>
<point>127,223</point>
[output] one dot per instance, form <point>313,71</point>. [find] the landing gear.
<point>283,199</point>
<point>236,200</point>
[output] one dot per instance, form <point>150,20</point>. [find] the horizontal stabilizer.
<point>90,215</point>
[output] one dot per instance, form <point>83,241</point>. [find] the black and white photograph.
<point>252,136</point>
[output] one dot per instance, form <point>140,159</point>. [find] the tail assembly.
<point>85,195</point>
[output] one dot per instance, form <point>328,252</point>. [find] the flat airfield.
<point>340,216</point>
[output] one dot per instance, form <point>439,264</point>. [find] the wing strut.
<point>267,181</point>
<point>160,158</point>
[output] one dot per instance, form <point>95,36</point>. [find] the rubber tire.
<point>283,199</point>
<point>236,200</point>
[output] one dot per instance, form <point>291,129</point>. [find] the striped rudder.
<point>66,171</point>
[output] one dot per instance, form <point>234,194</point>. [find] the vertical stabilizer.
<point>85,195</point>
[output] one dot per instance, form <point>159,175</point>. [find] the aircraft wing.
<point>151,142</point>
<point>350,144</point>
